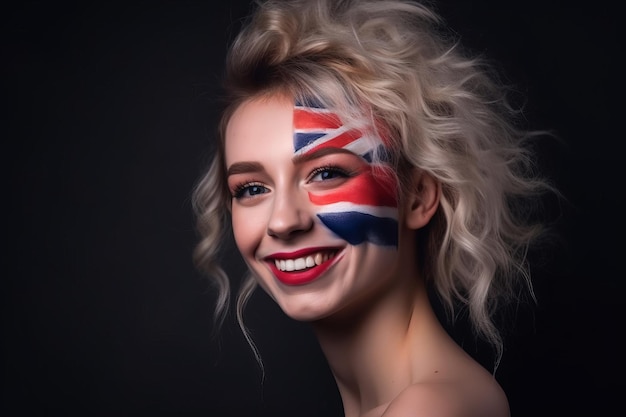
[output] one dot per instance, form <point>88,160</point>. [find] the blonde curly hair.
<point>447,113</point>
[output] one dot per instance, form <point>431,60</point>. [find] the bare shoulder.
<point>450,399</point>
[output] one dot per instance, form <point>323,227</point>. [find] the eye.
<point>328,173</point>
<point>248,190</point>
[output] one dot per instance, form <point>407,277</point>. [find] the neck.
<point>374,349</point>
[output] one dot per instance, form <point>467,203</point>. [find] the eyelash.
<point>333,168</point>
<point>239,189</point>
<point>242,187</point>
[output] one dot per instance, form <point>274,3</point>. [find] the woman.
<point>364,160</point>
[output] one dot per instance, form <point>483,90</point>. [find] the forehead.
<point>257,124</point>
<point>264,112</point>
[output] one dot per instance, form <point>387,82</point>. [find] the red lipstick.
<point>306,275</point>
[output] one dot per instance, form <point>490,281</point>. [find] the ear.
<point>422,199</point>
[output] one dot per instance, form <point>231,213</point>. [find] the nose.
<point>290,215</point>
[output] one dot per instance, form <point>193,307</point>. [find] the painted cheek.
<point>363,209</point>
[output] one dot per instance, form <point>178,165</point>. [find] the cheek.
<point>245,230</point>
<point>364,209</point>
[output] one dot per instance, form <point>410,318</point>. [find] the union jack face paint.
<point>365,207</point>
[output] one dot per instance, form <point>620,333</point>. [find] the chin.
<point>306,307</point>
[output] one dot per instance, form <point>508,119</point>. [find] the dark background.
<point>108,114</point>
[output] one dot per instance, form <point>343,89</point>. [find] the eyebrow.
<point>243,168</point>
<point>247,167</point>
<point>319,153</point>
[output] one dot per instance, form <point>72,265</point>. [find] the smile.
<point>303,266</point>
<point>306,262</point>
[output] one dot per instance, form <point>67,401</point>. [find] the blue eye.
<point>328,173</point>
<point>249,190</point>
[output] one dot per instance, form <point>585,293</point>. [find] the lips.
<point>303,266</point>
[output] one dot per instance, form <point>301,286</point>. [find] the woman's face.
<point>313,221</point>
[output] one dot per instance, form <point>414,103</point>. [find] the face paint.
<point>364,208</point>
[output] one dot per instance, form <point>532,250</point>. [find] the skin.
<point>368,305</point>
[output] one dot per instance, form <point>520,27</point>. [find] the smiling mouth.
<point>305,262</point>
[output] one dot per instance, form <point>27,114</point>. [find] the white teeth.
<point>290,265</point>
<point>299,264</point>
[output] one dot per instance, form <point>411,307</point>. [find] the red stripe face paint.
<point>364,207</point>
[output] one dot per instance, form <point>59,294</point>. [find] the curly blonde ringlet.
<point>446,113</point>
